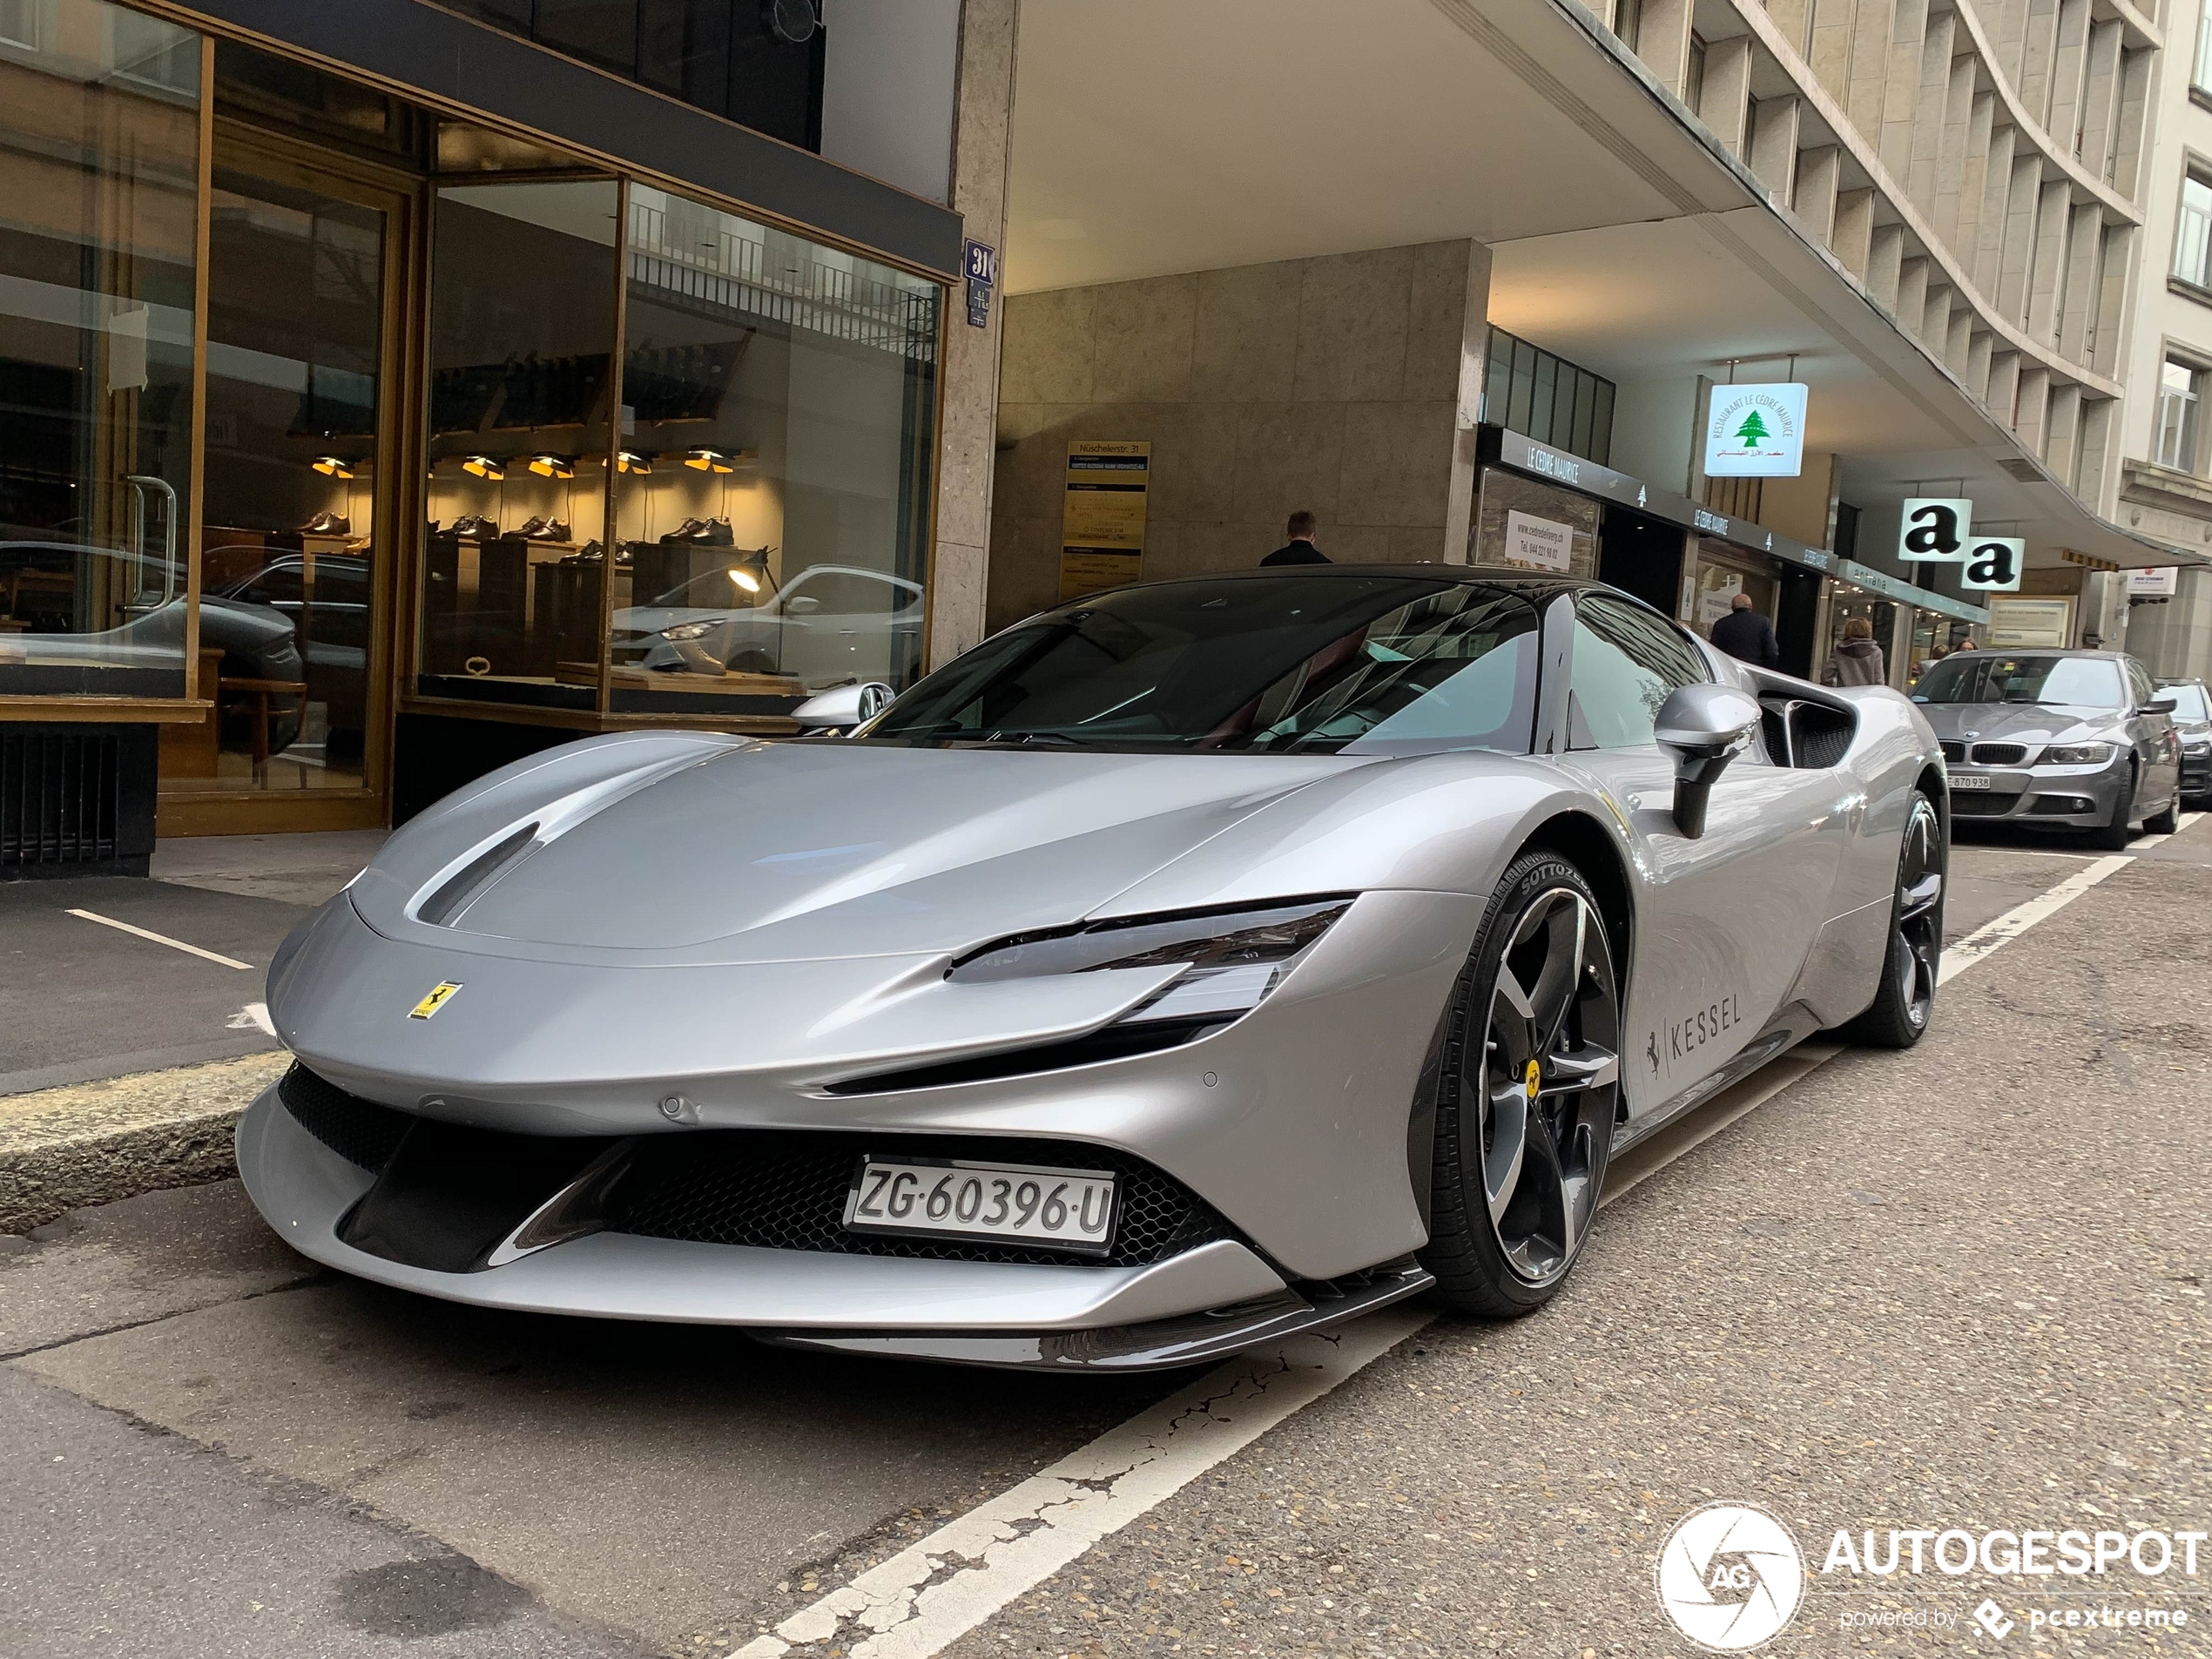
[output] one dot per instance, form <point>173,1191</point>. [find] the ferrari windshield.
<point>1993,676</point>
<point>1368,664</point>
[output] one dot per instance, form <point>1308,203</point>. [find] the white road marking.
<point>911,1607</point>
<point>2015,922</point>
<point>254,1016</point>
<point>2179,824</point>
<point>929,1594</point>
<point>163,939</point>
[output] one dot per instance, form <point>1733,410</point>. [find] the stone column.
<point>965,444</point>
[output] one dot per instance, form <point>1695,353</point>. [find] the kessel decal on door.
<point>441,994</point>
<point>1680,1040</point>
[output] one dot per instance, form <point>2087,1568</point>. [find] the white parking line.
<point>2179,824</point>
<point>2015,922</point>
<point>163,939</point>
<point>929,1594</point>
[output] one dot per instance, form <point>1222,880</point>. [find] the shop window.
<point>757,63</point>
<point>1549,398</point>
<point>777,420</point>
<point>522,342</point>
<point>2193,236</point>
<point>2179,388</point>
<point>98,256</point>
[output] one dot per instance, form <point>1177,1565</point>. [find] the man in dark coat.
<point>1746,636</point>
<point>1299,550</point>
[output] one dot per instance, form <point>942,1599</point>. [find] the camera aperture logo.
<point>1731,1576</point>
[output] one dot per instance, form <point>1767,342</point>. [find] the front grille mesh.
<point>2000,754</point>
<point>1954,753</point>
<point>785,1190</point>
<point>358,1130</point>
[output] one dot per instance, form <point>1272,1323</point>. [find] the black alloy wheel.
<point>1905,1004</point>
<point>1528,1093</point>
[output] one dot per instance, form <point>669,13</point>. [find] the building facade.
<point>396,389</point>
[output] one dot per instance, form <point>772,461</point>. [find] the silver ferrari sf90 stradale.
<point>1187,966</point>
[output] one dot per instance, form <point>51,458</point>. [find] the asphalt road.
<point>1961,1286</point>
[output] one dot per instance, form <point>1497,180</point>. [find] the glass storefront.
<point>99,141</point>
<point>448,422</point>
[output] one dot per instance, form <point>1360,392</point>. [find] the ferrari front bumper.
<point>305,1189</point>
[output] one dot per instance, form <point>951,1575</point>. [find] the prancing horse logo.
<point>1651,1049</point>
<point>441,994</point>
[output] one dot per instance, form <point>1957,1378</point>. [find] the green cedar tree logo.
<point>1753,432</point>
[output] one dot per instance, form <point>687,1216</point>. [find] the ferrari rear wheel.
<point>1899,1014</point>
<point>1527,1095</point>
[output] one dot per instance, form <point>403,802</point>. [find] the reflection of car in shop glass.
<point>2193,725</point>
<point>331,616</point>
<point>829,623</point>
<point>1183,966</point>
<point>54,590</point>
<point>2073,739</point>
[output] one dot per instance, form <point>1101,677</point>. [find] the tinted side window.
<point>1627,661</point>
<point>2139,685</point>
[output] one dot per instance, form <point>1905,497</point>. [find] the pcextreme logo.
<point>1731,1576</point>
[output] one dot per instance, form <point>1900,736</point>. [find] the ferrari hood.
<point>781,852</point>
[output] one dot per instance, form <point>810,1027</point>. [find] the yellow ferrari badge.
<point>440,996</point>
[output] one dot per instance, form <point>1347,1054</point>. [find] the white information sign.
<point>1538,543</point>
<point>1757,431</point>
<point>1934,529</point>
<point>2031,623</point>
<point>1993,563</point>
<point>2160,583</point>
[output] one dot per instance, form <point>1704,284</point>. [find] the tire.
<point>1528,1093</point>
<point>1903,1007</point>
<point>2166,822</point>
<point>2113,837</point>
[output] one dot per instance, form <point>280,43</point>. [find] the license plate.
<point>1068,1209</point>
<point>1971,780</point>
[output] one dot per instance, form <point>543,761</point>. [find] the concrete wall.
<point>966,447</point>
<point>1340,385</point>
<point>2174,639</point>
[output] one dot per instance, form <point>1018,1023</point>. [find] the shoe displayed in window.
<point>716,532</point>
<point>531,526</point>
<point>685,532</point>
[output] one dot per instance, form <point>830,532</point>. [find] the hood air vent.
<point>448,902</point>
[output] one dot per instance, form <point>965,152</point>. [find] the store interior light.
<point>485,467</point>
<point>552,466</point>
<point>630,460</point>
<point>744,578</point>
<point>706,460</point>
<point>332,466</point>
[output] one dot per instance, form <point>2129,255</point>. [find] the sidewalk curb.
<point>88,1144</point>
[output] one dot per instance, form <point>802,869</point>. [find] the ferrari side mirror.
<point>1704,727</point>
<point>827,713</point>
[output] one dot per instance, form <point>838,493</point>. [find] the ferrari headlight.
<point>1229,960</point>
<point>684,631</point>
<point>2078,754</point>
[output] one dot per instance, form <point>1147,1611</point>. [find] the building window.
<point>1693,86</point>
<point>2193,240</point>
<point>2179,385</point>
<point>757,64</point>
<point>2203,76</point>
<point>1548,398</point>
<point>1628,22</point>
<point>98,272</point>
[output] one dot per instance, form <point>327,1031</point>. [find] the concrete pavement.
<point>1962,1285</point>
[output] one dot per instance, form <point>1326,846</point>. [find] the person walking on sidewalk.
<point>1299,550</point>
<point>1857,659</point>
<point>1747,636</point>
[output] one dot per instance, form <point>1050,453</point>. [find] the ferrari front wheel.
<point>1905,1001</point>
<point>1528,1092</point>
